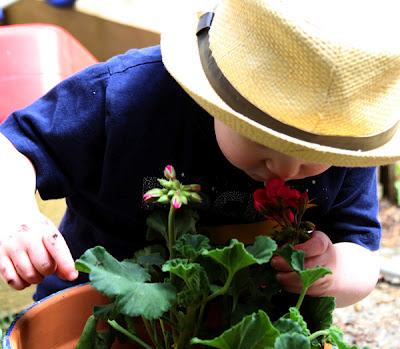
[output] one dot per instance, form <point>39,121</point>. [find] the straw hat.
<point>317,80</point>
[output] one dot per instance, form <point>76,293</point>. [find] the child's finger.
<point>321,287</point>
<point>317,245</point>
<point>9,273</point>
<point>290,281</point>
<point>279,264</point>
<point>59,251</point>
<point>40,258</point>
<point>321,260</point>
<point>23,266</point>
<point>18,283</point>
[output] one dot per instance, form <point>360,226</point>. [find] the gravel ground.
<point>375,321</point>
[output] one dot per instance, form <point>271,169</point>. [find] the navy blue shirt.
<point>103,136</point>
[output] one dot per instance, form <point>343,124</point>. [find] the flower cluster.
<point>284,206</point>
<point>173,191</point>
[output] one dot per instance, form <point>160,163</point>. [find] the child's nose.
<point>284,168</point>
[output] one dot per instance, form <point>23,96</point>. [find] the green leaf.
<point>104,339</point>
<point>185,222</point>
<point>151,256</point>
<point>151,260</point>
<point>108,273</point>
<point>262,249</point>
<point>292,341</point>
<point>309,276</point>
<point>294,315</point>
<point>105,312</point>
<point>191,246</point>
<point>149,300</point>
<point>127,282</point>
<point>253,289</point>
<point>335,337</point>
<point>255,331</point>
<point>295,258</point>
<point>284,325</point>
<point>233,257</point>
<point>318,312</point>
<point>88,336</point>
<point>195,278</point>
<point>181,267</point>
<point>157,222</point>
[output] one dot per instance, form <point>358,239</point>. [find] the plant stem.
<point>124,331</point>
<point>186,328</point>
<point>318,334</point>
<point>216,294</point>
<point>155,335</point>
<point>222,290</point>
<point>171,244</point>
<point>171,231</point>
<point>149,330</point>
<point>164,333</point>
<point>301,297</point>
<point>200,317</point>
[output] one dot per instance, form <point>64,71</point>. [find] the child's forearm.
<point>31,247</point>
<point>357,272</point>
<point>17,179</point>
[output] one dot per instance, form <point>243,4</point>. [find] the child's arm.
<point>31,247</point>
<point>355,270</point>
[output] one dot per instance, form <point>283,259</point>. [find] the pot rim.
<point>6,339</point>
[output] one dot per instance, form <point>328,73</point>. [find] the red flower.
<point>290,215</point>
<point>280,202</point>
<point>275,193</point>
<point>275,189</point>
<point>285,206</point>
<point>260,199</point>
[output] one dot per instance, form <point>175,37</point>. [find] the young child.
<point>306,91</point>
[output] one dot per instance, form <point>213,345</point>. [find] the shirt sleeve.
<point>63,133</point>
<point>353,216</point>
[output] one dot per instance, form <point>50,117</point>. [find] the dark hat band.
<point>241,105</point>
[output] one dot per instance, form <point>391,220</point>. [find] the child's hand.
<point>31,250</point>
<point>319,250</point>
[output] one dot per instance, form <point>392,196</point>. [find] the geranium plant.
<point>186,292</point>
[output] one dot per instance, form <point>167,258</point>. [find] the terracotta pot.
<point>245,233</point>
<point>57,321</point>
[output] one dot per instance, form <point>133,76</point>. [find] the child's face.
<point>259,162</point>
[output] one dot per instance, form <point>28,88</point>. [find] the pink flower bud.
<point>152,194</point>
<point>176,202</point>
<point>195,187</point>
<point>290,215</point>
<point>169,172</point>
<point>194,197</point>
<point>147,197</point>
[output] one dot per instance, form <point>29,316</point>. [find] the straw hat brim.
<point>180,56</point>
